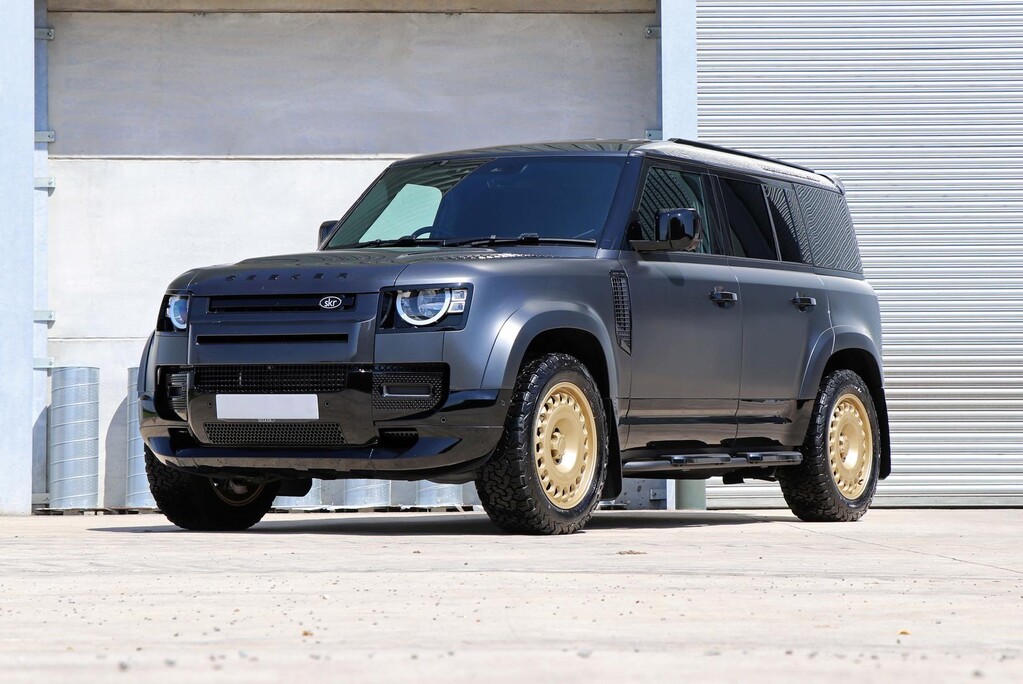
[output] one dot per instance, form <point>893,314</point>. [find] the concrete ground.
<point>903,595</point>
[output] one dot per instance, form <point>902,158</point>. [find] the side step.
<point>686,462</point>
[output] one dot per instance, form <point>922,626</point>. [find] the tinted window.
<point>748,220</point>
<point>566,197</point>
<point>672,189</point>
<point>792,240</point>
<point>830,229</point>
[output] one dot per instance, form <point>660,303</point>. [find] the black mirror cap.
<point>325,229</point>
<point>681,227</point>
<point>677,230</point>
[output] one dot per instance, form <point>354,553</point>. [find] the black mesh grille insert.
<point>252,433</point>
<point>404,389</point>
<point>623,309</point>
<point>271,379</point>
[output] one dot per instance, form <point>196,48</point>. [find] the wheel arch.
<point>570,329</point>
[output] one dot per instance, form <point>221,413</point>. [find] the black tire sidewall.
<point>190,502</point>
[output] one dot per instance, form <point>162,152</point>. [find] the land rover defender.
<point>543,320</point>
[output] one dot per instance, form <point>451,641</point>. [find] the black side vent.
<point>623,309</point>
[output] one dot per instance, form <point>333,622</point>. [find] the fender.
<point>536,317</point>
<point>831,341</point>
<point>848,337</point>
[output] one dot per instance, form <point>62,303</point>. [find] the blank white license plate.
<point>267,407</point>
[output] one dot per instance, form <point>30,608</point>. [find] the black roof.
<point>700,152</point>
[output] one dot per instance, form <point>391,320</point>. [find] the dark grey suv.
<point>543,320</point>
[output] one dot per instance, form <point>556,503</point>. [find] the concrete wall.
<point>187,140</point>
<point>296,84</point>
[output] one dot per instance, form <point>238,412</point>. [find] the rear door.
<point>784,308</point>
<point>686,348</point>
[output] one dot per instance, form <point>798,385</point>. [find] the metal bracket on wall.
<point>47,316</point>
<point>45,182</point>
<point>652,32</point>
<point>45,136</point>
<point>43,363</point>
<point>44,33</point>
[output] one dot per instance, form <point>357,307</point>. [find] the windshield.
<point>450,202</point>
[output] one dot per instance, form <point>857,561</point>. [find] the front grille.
<point>271,379</point>
<point>252,433</point>
<point>278,303</point>
<point>423,388</point>
<point>623,309</point>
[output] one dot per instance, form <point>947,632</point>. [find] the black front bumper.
<point>393,422</point>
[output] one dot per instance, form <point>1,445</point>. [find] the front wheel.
<point>548,471</point>
<point>841,455</point>
<point>195,502</point>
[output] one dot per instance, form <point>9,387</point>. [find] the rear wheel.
<point>195,502</point>
<point>547,473</point>
<point>838,476</point>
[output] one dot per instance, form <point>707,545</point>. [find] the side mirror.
<point>677,230</point>
<point>680,227</point>
<point>325,229</point>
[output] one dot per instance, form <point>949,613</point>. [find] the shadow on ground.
<point>453,524</point>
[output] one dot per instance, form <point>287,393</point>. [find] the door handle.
<point>723,297</point>
<point>803,303</point>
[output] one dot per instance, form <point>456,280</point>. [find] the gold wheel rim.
<point>850,446</point>
<point>564,445</point>
<point>235,493</point>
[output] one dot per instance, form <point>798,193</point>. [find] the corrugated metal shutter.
<point>918,106</point>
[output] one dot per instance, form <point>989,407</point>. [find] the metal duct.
<point>73,448</point>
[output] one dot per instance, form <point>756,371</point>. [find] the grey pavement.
<point>901,596</point>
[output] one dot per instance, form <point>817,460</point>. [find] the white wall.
<point>186,140</point>
<point>16,240</point>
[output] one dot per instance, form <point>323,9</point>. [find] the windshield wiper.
<point>524,239</point>
<point>404,241</point>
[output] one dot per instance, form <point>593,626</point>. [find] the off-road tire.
<point>810,489</point>
<point>508,485</point>
<point>191,502</point>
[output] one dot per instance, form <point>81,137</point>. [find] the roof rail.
<point>719,148</point>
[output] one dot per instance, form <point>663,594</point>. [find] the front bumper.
<point>392,422</point>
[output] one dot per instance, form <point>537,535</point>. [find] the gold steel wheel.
<point>565,445</point>
<point>850,446</point>
<point>235,493</point>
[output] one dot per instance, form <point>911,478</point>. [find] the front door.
<point>686,326</point>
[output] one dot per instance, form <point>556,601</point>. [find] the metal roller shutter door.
<point>918,107</point>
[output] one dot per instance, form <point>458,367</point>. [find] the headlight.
<point>177,311</point>
<point>427,306</point>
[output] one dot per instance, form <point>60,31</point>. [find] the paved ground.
<point>906,596</point>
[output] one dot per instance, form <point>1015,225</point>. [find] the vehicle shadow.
<point>452,524</point>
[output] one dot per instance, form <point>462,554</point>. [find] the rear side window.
<point>792,240</point>
<point>830,229</point>
<point>748,219</point>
